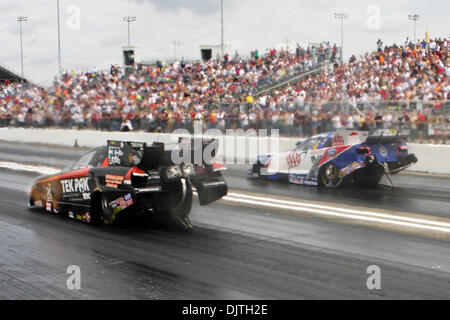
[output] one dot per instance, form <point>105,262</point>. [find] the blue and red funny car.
<point>334,158</point>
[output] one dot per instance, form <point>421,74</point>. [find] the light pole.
<point>342,16</point>
<point>221,28</point>
<point>414,18</point>
<point>175,44</point>
<point>21,19</point>
<point>59,40</point>
<point>129,19</point>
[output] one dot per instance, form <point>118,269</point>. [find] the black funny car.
<point>125,178</point>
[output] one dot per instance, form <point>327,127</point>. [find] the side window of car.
<point>99,157</point>
<point>328,143</point>
<point>301,145</point>
<point>312,143</point>
<point>316,142</point>
<point>84,161</point>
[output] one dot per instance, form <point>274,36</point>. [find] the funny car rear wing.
<point>383,136</point>
<point>125,153</point>
<point>197,150</point>
<point>129,153</point>
<point>344,137</point>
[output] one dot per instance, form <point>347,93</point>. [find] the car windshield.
<point>312,143</point>
<point>99,157</point>
<point>84,161</point>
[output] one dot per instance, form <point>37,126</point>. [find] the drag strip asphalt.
<point>237,250</point>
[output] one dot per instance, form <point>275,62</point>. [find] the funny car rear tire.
<point>174,207</point>
<point>107,214</point>
<point>330,176</point>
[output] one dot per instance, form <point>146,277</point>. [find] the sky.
<point>93,32</point>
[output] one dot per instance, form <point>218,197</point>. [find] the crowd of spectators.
<point>223,93</point>
<point>414,77</point>
<point>151,94</point>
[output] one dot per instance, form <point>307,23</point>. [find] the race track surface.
<point>237,250</point>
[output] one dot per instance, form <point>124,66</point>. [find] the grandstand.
<point>302,91</point>
<point>7,75</point>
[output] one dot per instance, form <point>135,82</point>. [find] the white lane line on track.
<point>307,206</point>
<point>369,216</point>
<point>269,202</point>
<point>427,225</point>
<point>28,167</point>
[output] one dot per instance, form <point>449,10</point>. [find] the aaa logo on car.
<point>293,159</point>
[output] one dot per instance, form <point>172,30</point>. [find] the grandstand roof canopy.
<point>6,74</point>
